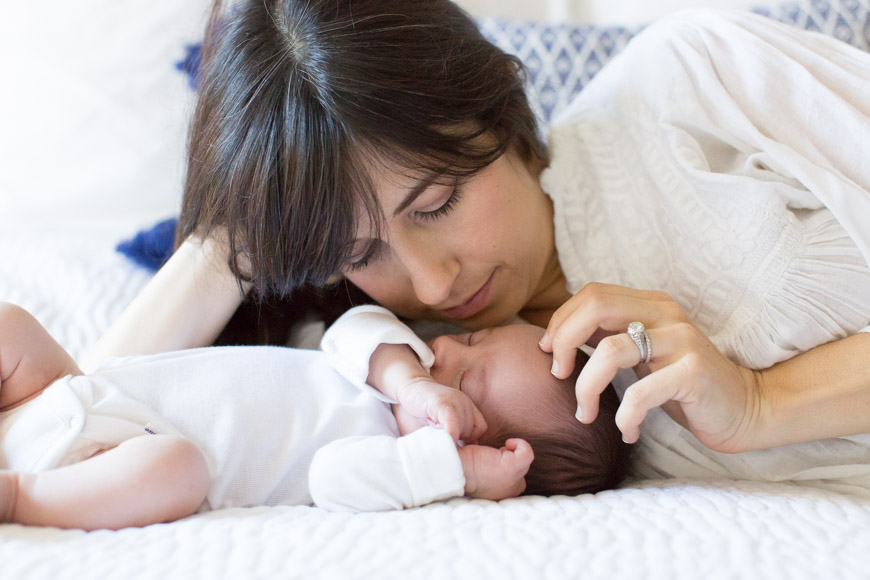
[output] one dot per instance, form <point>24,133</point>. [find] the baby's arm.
<point>396,371</point>
<point>30,359</point>
<point>372,349</point>
<point>144,480</point>
<point>376,473</point>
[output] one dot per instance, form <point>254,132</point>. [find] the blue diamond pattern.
<point>561,59</point>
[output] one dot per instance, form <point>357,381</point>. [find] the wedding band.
<point>638,334</point>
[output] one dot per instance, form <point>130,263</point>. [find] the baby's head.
<point>508,377</point>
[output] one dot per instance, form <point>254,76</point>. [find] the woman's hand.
<point>721,403</point>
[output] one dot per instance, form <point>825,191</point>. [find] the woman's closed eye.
<point>371,252</point>
<point>446,207</point>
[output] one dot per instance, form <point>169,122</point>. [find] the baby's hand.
<point>496,474</point>
<point>430,403</point>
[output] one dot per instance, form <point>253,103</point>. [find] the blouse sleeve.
<point>799,98</point>
<point>377,473</point>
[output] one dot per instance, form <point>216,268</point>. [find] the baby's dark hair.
<point>301,100</point>
<point>571,458</point>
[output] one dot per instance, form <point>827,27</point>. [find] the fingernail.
<point>543,340</point>
<point>555,369</point>
<point>579,414</point>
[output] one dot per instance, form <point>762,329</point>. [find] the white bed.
<point>67,198</point>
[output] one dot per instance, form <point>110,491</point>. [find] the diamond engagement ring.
<point>638,334</point>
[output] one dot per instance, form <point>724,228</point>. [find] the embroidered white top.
<point>722,158</point>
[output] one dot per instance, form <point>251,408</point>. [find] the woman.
<point>387,143</point>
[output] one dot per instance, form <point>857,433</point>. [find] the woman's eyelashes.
<point>447,206</point>
<point>371,252</point>
<point>374,248</point>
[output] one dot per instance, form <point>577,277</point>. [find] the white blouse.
<point>725,159</point>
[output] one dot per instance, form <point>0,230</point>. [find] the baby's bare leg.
<point>145,480</point>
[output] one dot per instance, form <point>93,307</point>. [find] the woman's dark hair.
<point>299,99</point>
<point>571,458</point>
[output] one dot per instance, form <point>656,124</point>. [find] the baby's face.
<point>502,369</point>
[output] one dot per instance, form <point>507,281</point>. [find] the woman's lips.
<point>474,304</point>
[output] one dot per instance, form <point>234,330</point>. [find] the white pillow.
<point>93,113</point>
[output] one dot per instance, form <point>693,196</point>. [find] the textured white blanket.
<point>669,530</point>
<point>69,276</point>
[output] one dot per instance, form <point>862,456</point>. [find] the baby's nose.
<point>446,348</point>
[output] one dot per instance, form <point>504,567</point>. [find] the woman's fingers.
<point>648,393</point>
<point>588,295</point>
<point>613,353</point>
<point>588,313</point>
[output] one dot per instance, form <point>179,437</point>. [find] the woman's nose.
<point>432,271</point>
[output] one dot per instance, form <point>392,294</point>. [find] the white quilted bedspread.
<point>69,276</point>
<point>664,530</point>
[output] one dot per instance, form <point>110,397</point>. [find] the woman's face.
<point>473,252</point>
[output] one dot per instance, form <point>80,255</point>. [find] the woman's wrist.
<point>819,394</point>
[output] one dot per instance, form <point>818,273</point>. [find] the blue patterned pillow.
<point>560,60</point>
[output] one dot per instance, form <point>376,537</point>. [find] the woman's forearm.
<point>822,393</point>
<point>185,305</point>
